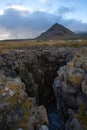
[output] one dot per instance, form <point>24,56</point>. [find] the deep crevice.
<point>43,76</point>
<point>39,78</point>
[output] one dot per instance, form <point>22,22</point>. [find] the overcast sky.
<point>29,18</point>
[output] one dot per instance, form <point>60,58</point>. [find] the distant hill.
<point>83,35</point>
<point>56,32</point>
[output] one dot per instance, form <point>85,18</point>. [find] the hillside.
<point>56,32</point>
<point>83,35</point>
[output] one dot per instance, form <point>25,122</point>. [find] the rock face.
<point>17,110</point>
<point>56,32</point>
<point>70,88</point>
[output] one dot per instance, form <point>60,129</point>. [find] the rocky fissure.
<point>30,91</point>
<point>36,67</point>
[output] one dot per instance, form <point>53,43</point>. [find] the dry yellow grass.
<point>5,46</point>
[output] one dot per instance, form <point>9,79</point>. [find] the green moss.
<point>82,117</point>
<point>24,122</point>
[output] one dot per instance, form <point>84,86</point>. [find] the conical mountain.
<point>56,32</point>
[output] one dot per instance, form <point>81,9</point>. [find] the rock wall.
<point>70,89</point>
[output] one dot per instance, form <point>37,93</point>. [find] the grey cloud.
<point>63,10</point>
<point>28,25</point>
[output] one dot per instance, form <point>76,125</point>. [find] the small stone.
<point>43,127</point>
<point>4,94</point>
<point>6,88</point>
<point>11,92</point>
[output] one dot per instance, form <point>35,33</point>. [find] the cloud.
<point>63,10</point>
<point>20,8</point>
<point>22,23</point>
<point>43,1</point>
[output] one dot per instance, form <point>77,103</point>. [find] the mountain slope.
<point>56,32</point>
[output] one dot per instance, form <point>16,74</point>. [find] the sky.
<point>21,19</point>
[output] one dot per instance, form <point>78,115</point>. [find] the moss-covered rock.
<point>16,108</point>
<point>72,90</point>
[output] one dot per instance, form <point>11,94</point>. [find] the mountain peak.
<point>56,32</point>
<point>56,24</point>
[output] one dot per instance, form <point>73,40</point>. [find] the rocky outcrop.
<point>70,89</point>
<point>17,109</point>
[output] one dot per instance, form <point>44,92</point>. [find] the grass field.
<point>5,46</point>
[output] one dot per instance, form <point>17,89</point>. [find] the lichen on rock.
<point>17,109</point>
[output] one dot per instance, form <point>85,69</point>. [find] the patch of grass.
<point>5,46</point>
